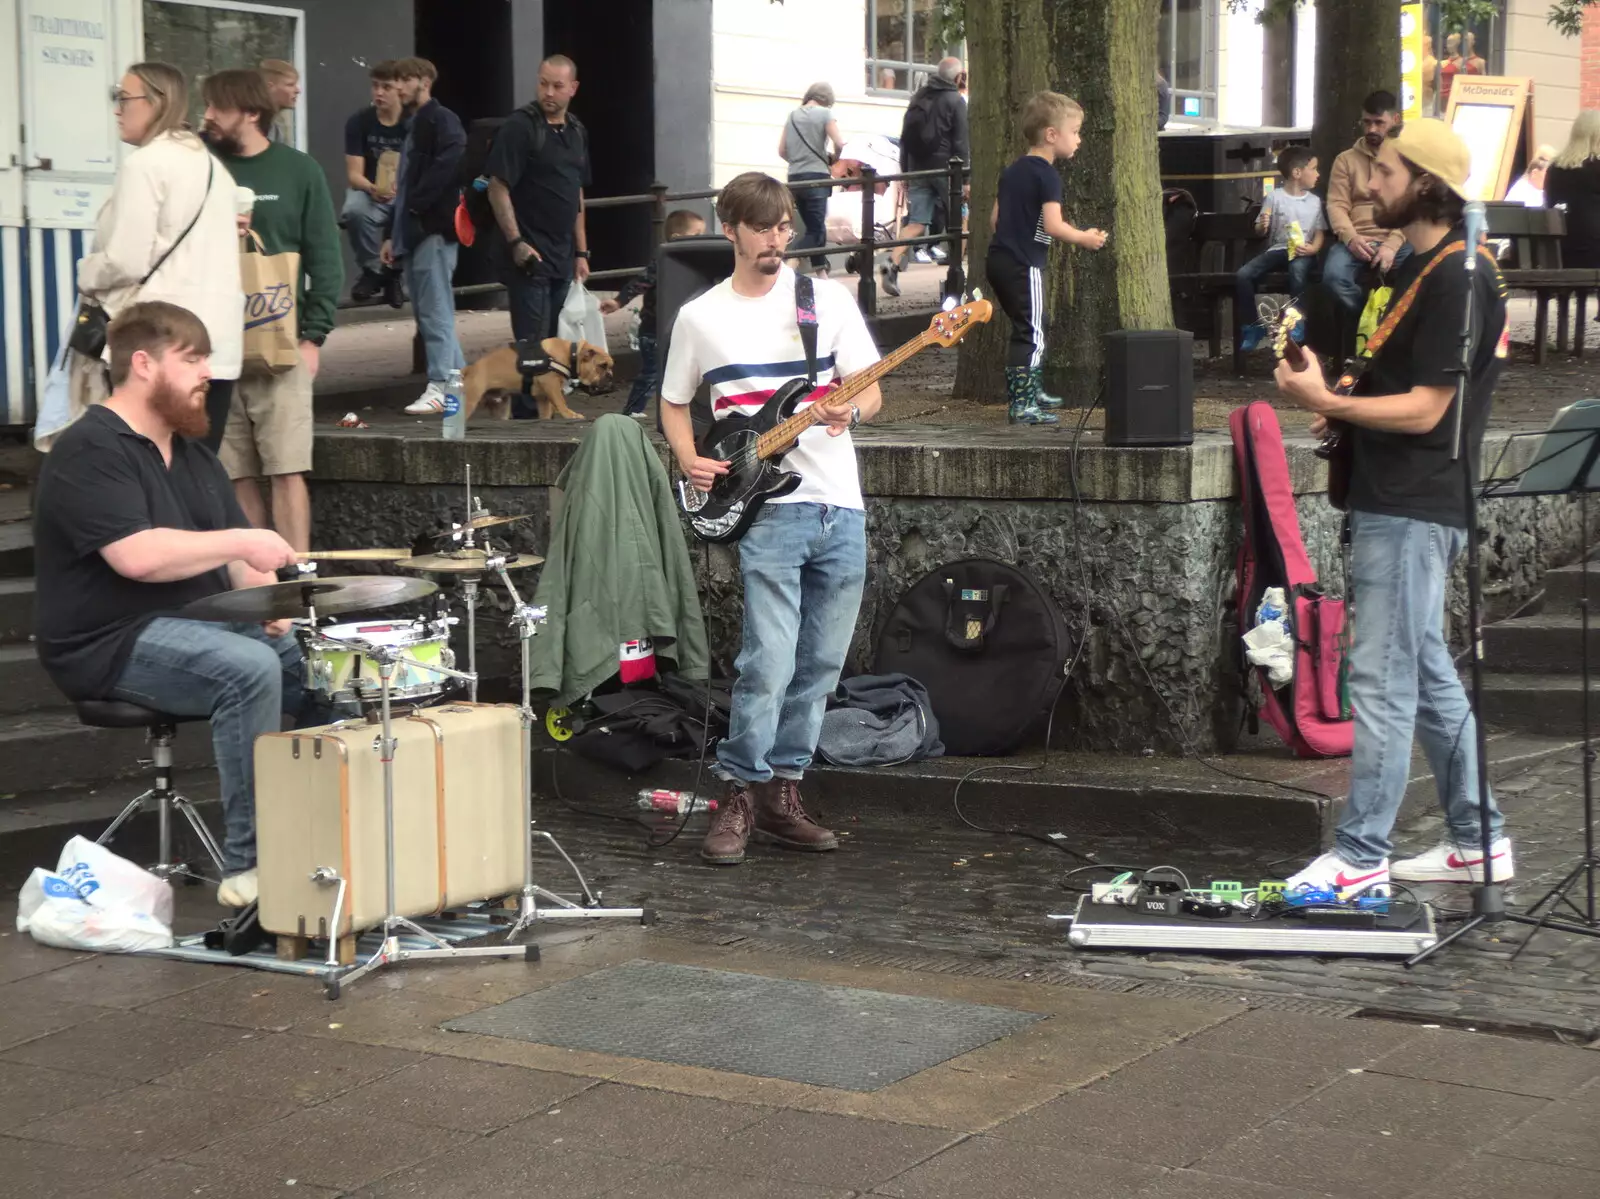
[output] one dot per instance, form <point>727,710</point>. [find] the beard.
<point>769,263</point>
<point>1399,216</point>
<point>223,143</point>
<point>184,411</point>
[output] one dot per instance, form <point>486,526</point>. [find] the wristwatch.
<point>316,340</point>
<point>855,416</point>
<point>581,253</point>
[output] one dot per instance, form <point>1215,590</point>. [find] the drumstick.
<point>374,555</point>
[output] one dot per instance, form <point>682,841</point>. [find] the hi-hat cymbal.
<point>466,562</point>
<point>483,522</point>
<point>292,601</point>
<point>378,555</point>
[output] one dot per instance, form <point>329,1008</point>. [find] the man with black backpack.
<point>934,131</point>
<point>537,169</point>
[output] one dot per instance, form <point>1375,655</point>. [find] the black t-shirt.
<point>1413,474</point>
<point>367,137</point>
<point>1026,186</point>
<point>544,181</point>
<point>103,482</point>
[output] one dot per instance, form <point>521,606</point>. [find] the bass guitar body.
<point>727,510</point>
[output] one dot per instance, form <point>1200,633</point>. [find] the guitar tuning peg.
<point>948,305</point>
<point>977,293</point>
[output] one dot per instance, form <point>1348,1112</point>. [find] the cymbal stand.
<point>393,925</point>
<point>469,596</point>
<point>526,618</point>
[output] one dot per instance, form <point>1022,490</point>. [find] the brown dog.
<point>491,380</point>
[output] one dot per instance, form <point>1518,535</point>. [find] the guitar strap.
<point>805,316</point>
<point>1396,313</point>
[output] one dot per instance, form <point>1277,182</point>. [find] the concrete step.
<point>16,550</point>
<point>1563,587</point>
<point>47,750</point>
<point>16,610</point>
<point>1549,704</point>
<point>1548,643</point>
<point>24,686</point>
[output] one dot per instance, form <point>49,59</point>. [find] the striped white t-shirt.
<point>745,347</point>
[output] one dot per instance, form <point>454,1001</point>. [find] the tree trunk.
<point>1358,52</point>
<point>1104,52</point>
<point>1008,50</point>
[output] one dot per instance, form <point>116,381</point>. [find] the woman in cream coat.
<point>159,188</point>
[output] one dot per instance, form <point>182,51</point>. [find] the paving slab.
<point>31,1021</point>
<point>832,1151</point>
<point>1126,1127</point>
<point>343,1155</point>
<point>30,1092</point>
<point>1495,1063</point>
<point>1488,1176</point>
<point>285,1068</point>
<point>504,1165</point>
<point>126,1045</point>
<point>1319,1159</point>
<point>984,1168</point>
<point>22,956</point>
<point>252,999</point>
<point>654,1126</point>
<point>1414,1110</point>
<point>108,980</point>
<point>1562,1134</point>
<point>1192,1184</point>
<point>180,1180</point>
<point>455,1093</point>
<point>684,1182</point>
<point>1255,1088</point>
<point>944,1096</point>
<point>153,1120</point>
<point>40,1170</point>
<point>1311,1040</point>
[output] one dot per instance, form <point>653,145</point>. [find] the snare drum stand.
<point>526,618</point>
<point>390,950</point>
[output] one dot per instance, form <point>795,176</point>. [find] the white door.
<point>70,60</point>
<point>13,295</point>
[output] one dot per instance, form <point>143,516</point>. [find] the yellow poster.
<point>1411,81</point>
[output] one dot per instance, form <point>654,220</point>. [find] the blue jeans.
<point>803,567</point>
<point>364,222</point>
<point>430,267</point>
<point>812,205</point>
<point>1403,683</point>
<point>1346,275</point>
<point>536,300</point>
<point>646,381</point>
<point>1262,265</point>
<point>240,678</point>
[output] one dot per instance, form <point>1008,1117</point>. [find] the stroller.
<point>845,209</point>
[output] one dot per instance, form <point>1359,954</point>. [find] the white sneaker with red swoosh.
<point>1448,862</point>
<point>1330,872</point>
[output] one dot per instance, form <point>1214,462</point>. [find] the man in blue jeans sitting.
<point>133,519</point>
<point>804,559</point>
<point>1408,514</point>
<point>1362,246</point>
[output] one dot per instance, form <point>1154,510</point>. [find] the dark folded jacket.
<point>879,720</point>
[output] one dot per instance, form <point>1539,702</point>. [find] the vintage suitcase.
<point>479,748</point>
<point>319,802</point>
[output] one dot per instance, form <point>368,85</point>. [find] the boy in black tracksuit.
<point>680,222</point>
<point>1026,217</point>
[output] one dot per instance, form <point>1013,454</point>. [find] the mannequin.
<point>1473,65</point>
<point>1448,70</point>
<point>1430,77</point>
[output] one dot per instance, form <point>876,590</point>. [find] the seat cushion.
<point>116,714</point>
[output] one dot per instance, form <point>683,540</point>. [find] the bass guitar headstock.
<point>1280,321</point>
<point>957,320</point>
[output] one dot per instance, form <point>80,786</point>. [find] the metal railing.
<point>954,175</point>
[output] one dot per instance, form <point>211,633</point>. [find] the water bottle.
<point>455,415</point>
<point>674,803</point>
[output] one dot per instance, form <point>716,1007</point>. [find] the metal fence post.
<point>658,214</point>
<point>867,288</point>
<point>955,280</point>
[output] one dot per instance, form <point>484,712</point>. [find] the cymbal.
<point>288,601</point>
<point>378,555</point>
<point>466,562</point>
<point>483,522</point>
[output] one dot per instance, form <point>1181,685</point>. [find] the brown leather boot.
<point>781,819</point>
<point>730,827</point>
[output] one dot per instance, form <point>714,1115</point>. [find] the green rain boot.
<point>1020,392</point>
<point>1043,398</point>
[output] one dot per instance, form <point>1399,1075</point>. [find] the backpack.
<point>919,134</point>
<point>481,135</point>
<point>990,646</point>
<point>1309,712</point>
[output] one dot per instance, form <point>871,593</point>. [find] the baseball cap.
<point>1437,149</point>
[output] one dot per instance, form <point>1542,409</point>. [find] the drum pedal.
<point>239,934</point>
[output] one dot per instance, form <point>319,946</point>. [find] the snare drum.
<point>349,678</point>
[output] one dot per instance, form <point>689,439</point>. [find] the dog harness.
<point>532,362</point>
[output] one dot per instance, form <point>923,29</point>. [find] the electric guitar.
<point>753,445</point>
<point>1335,448</point>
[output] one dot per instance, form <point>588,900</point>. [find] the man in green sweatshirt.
<point>268,435</point>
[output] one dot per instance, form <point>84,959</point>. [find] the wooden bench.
<point>1533,263</point>
<point>1221,243</point>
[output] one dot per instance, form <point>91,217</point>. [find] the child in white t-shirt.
<point>1295,227</point>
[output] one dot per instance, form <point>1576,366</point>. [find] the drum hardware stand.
<point>526,618</point>
<point>166,800</point>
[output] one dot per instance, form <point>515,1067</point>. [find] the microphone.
<point>1477,221</point>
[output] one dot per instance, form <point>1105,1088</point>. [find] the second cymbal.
<point>466,562</point>
<point>484,522</point>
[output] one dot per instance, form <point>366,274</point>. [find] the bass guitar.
<point>1335,447</point>
<point>753,446</point>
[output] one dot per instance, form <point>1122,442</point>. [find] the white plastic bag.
<point>96,900</point>
<point>581,319</point>
<point>55,405</point>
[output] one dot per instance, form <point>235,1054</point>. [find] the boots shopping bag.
<point>271,307</point>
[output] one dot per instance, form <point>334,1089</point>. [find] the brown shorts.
<point>269,425</point>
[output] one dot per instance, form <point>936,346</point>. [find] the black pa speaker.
<point>686,267</point>
<point>1149,387</point>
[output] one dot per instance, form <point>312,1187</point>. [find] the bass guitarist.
<point>804,558</point>
<point>1408,505</point>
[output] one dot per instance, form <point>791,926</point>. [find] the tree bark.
<point>1358,52</point>
<point>1008,49</point>
<point>1103,54</point>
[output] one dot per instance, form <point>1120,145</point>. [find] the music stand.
<point>1566,463</point>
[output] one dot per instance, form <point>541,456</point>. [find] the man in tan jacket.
<point>1360,242</point>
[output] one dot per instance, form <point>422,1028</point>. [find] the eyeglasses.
<point>784,230</point>
<point>121,99</point>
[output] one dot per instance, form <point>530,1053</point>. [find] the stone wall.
<point>1151,577</point>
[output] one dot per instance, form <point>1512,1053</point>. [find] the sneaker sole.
<point>1451,876</point>
<point>764,838</point>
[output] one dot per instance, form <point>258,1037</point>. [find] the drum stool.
<point>161,728</point>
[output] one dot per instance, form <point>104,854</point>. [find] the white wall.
<point>1240,43</point>
<point>1538,52</point>
<point>765,55</point>
<point>1305,66</point>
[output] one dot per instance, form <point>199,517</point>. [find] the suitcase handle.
<point>964,637</point>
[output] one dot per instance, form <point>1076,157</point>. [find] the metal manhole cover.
<point>844,1037</point>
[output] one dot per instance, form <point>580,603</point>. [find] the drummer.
<point>134,518</point>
